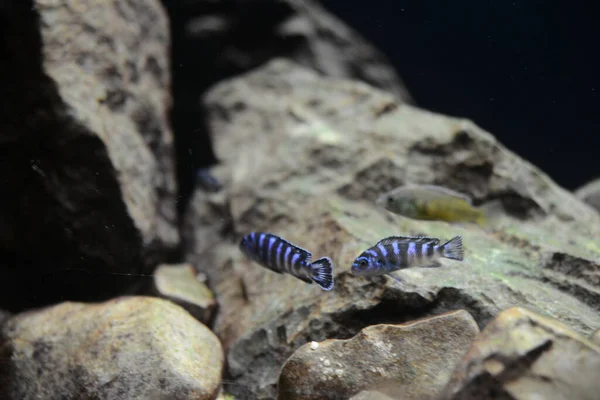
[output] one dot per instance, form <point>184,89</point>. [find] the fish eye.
<point>362,264</point>
<point>389,199</point>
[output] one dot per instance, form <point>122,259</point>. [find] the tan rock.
<point>521,355</point>
<point>413,359</point>
<point>180,284</point>
<point>127,348</point>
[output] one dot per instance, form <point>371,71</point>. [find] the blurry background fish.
<point>429,202</point>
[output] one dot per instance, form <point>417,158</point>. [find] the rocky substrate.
<point>106,294</point>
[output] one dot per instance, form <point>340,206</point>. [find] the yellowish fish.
<point>429,202</point>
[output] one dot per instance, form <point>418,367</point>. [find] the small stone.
<point>522,355</point>
<point>418,357</point>
<point>126,348</point>
<point>179,284</point>
<point>314,345</point>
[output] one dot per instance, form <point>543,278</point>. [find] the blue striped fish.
<point>281,256</point>
<point>398,252</point>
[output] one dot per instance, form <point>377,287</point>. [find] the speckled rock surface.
<point>412,361</point>
<point>86,149</point>
<point>522,355</point>
<point>179,283</point>
<point>127,348</point>
<point>304,157</point>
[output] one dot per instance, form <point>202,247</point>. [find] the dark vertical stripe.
<point>418,250</point>
<point>378,251</point>
<point>440,249</point>
<point>403,254</point>
<point>261,247</point>
<point>391,258</point>
<point>280,255</point>
<point>430,250</point>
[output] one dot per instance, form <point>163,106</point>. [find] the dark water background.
<point>526,71</point>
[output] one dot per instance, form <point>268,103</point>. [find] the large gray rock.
<point>87,163</point>
<point>126,348</point>
<point>411,361</point>
<point>305,156</point>
<point>521,356</point>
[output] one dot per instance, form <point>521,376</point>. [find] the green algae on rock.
<point>126,348</point>
<point>522,355</point>
<point>304,157</point>
<point>412,361</point>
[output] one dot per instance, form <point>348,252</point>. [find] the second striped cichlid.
<point>429,202</point>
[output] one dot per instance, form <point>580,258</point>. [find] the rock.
<point>126,348</point>
<point>415,359</point>
<point>590,193</point>
<point>304,157</point>
<point>86,149</point>
<point>595,337</point>
<point>179,284</point>
<point>523,355</point>
<point>217,39</point>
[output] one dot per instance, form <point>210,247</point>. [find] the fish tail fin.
<point>453,248</point>
<point>322,273</point>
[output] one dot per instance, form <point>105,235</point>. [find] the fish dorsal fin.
<point>408,239</point>
<point>448,192</point>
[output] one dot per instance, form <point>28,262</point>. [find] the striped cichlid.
<point>281,256</point>
<point>429,202</point>
<point>399,252</point>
